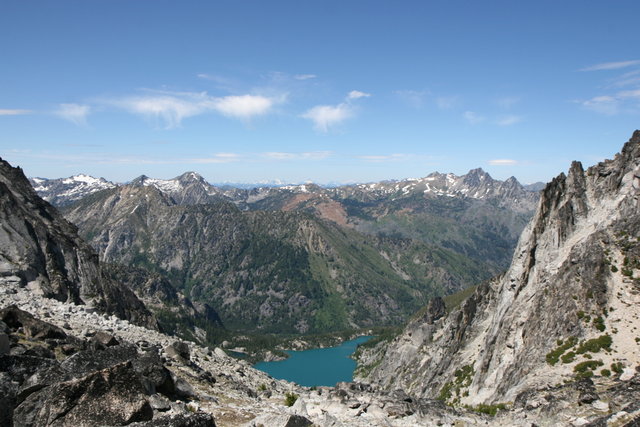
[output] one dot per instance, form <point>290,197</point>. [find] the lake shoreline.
<point>318,366</point>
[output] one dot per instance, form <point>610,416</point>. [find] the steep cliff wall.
<point>42,251</point>
<point>570,296</point>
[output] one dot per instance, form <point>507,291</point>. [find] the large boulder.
<point>102,383</point>
<point>112,396</point>
<point>15,318</point>
<point>178,350</point>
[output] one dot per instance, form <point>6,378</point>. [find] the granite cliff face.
<point>41,250</point>
<point>568,307</point>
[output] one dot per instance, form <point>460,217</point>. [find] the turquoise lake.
<point>316,367</point>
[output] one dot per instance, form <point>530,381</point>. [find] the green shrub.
<point>617,367</point>
<point>605,372</point>
<point>290,398</point>
<point>445,392</point>
<point>595,345</point>
<point>553,356</point>
<point>587,365</point>
<point>464,376</point>
<point>569,357</point>
<point>580,314</point>
<point>488,409</point>
<point>598,322</point>
<point>585,369</point>
<point>262,387</point>
<point>614,269</point>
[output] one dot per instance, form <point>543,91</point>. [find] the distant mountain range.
<point>476,184</point>
<point>303,258</point>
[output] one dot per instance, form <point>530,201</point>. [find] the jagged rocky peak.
<point>512,181</point>
<point>476,176</point>
<point>187,189</point>
<point>191,177</point>
<point>568,307</point>
<point>41,250</point>
<point>141,180</point>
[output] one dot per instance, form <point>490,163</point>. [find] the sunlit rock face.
<point>574,274</point>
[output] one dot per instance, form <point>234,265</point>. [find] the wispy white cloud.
<point>611,65</point>
<point>508,120</point>
<point>605,104</point>
<point>310,155</point>
<point>221,81</point>
<point>171,108</point>
<point>324,117</point>
<point>243,106</point>
<point>168,109</point>
<point>75,113</point>
<point>14,112</point>
<point>617,101</point>
<point>355,94</point>
<point>629,94</point>
<point>631,78</point>
<point>304,76</point>
<point>473,117</point>
<point>503,162</point>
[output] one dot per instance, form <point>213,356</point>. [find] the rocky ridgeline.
<point>191,188</point>
<point>567,309</point>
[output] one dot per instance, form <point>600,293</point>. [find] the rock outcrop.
<point>568,307</point>
<point>42,250</point>
<point>93,384</point>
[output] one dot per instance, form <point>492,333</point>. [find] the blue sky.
<point>327,91</point>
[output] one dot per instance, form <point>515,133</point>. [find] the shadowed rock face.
<point>577,261</point>
<point>111,396</point>
<point>43,251</point>
<point>96,385</point>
